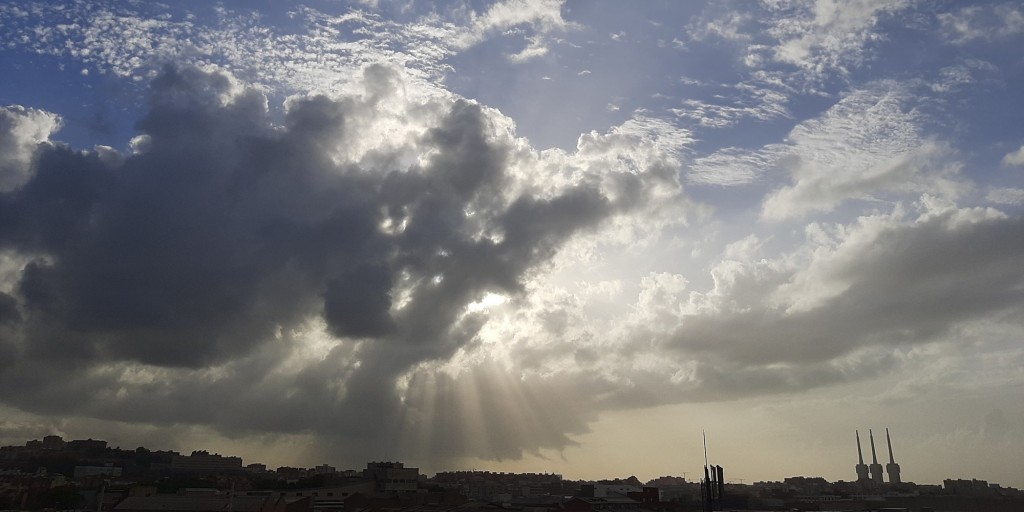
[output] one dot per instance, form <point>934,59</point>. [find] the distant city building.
<point>323,499</point>
<point>53,443</point>
<point>610,504</point>
<point>491,486</point>
<point>110,470</point>
<point>392,476</point>
<point>205,462</point>
<point>324,469</point>
<point>967,487</point>
<point>212,502</point>
<point>290,473</point>
<point>84,445</point>
<point>607,490</point>
<point>649,494</point>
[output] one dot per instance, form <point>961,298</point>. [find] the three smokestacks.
<point>873,473</point>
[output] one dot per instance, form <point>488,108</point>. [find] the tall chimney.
<point>892,468</point>
<point>862,469</point>
<point>876,468</point>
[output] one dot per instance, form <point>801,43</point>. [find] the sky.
<point>524,235</point>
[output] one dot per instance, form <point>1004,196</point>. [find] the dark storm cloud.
<point>10,320</point>
<point>203,251</point>
<point>358,303</point>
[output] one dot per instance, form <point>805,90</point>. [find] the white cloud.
<point>1014,158</point>
<point>535,48</point>
<point>830,35</point>
<point>731,26</point>
<point>819,37</point>
<point>21,131</point>
<point>541,17</point>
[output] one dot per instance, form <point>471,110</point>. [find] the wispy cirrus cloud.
<point>762,97</point>
<point>868,145</point>
<point>1006,195</point>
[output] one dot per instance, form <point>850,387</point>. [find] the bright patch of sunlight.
<point>488,301</point>
<point>390,227</point>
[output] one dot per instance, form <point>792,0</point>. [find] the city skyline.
<point>88,474</point>
<point>563,235</point>
<point>55,443</point>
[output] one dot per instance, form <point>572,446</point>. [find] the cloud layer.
<point>316,278</point>
<point>194,265</point>
<point>324,230</point>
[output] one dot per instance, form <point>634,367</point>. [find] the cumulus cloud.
<point>544,15</point>
<point>292,275</point>
<point>21,130</point>
<point>1014,158</point>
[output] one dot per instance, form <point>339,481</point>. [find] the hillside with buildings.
<point>88,475</point>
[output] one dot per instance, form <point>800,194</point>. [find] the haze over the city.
<point>525,235</point>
